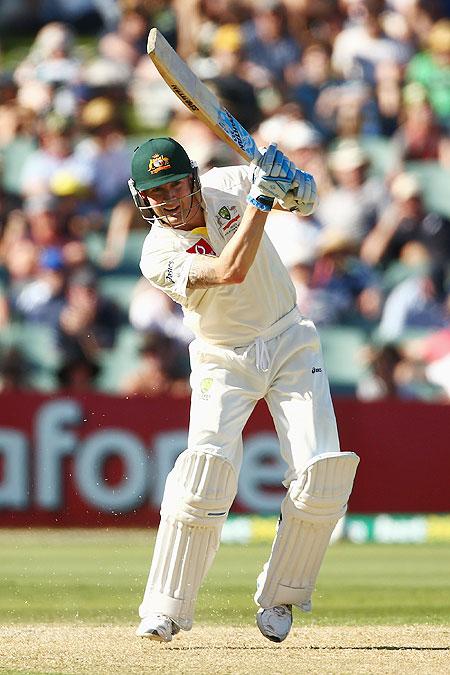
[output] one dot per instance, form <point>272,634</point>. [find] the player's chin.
<point>173,221</point>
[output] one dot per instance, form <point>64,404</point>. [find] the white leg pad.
<point>313,505</point>
<point>198,494</point>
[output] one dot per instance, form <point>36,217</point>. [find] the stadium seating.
<point>37,344</point>
<point>436,181</point>
<point>117,363</point>
<point>118,287</point>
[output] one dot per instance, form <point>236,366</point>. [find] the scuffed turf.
<point>220,650</point>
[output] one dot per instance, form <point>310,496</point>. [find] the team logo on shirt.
<point>205,388</point>
<point>202,247</point>
<point>158,163</point>
<point>228,219</point>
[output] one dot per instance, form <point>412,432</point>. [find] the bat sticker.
<point>237,132</point>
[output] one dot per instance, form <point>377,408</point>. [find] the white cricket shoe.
<point>275,622</point>
<point>157,627</point>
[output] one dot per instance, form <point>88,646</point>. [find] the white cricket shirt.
<point>230,314</point>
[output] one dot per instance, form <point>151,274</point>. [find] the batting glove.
<point>302,198</point>
<point>272,178</point>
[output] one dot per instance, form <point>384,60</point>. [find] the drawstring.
<point>261,354</point>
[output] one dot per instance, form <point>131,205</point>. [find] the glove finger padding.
<point>303,197</point>
<point>280,166</point>
<point>304,182</point>
<point>273,187</point>
<point>313,192</point>
<point>269,188</point>
<point>274,163</point>
<point>287,170</point>
<point>267,159</point>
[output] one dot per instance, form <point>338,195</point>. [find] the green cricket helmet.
<point>156,162</point>
<point>159,161</point>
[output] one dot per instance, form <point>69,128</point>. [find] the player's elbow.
<point>239,276</point>
<point>233,270</point>
<point>234,275</point>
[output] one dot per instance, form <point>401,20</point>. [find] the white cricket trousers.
<point>285,367</point>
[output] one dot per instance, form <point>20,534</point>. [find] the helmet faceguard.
<point>147,211</point>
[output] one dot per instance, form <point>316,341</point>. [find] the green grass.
<point>98,576</point>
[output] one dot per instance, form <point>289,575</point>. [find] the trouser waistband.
<point>278,327</point>
<point>262,356</point>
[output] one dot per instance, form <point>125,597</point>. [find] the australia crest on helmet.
<point>158,163</point>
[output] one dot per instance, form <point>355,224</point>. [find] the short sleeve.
<point>169,271</point>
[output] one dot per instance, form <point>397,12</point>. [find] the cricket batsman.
<point>208,251</point>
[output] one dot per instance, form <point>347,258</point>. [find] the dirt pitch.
<point>206,650</point>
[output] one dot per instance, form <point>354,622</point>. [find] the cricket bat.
<point>196,96</point>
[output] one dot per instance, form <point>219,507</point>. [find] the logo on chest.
<point>227,218</point>
<point>202,247</point>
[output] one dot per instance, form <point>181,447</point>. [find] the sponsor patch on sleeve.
<point>202,247</point>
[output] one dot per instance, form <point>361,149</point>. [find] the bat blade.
<point>196,96</point>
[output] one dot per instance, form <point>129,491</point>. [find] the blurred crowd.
<point>356,92</point>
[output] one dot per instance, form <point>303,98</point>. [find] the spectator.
<point>432,347</point>
<point>88,323</point>
<point>43,224</point>
<point>21,262</point>
<point>84,14</point>
<point>404,220</point>
<point>193,133</point>
<point>50,71</point>
<point>42,299</point>
<point>78,375</point>
<point>348,289</point>
<point>55,153</point>
<point>17,143</point>
<point>163,368</point>
<point>237,93</point>
<point>105,151</point>
<point>418,302</point>
<point>296,241</point>
<point>13,371</point>
<point>347,109</point>
<point>353,206</point>
<point>268,47</point>
<point>311,82</point>
<point>127,44</point>
<point>388,94</point>
<point>438,374</point>
<point>431,69</point>
<point>431,355</point>
<point>419,136</point>
<point>363,44</point>
<point>151,310</point>
<point>51,58</point>
<point>201,19</point>
<point>380,382</point>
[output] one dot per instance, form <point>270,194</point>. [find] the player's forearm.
<point>232,265</point>
<point>238,255</point>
